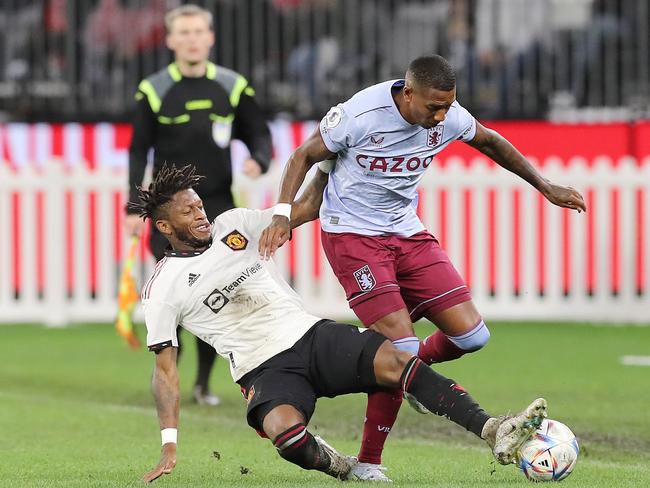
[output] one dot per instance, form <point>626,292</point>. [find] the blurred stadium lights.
<point>564,59</point>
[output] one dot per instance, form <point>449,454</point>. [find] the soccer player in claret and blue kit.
<point>213,282</point>
<point>393,271</point>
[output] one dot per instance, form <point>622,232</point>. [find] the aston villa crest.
<point>365,278</point>
<point>434,135</point>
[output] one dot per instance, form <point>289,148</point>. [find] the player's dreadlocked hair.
<point>168,181</point>
<point>432,72</point>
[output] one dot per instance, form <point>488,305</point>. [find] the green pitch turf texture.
<point>76,411</point>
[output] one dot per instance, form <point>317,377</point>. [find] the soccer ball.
<point>550,454</point>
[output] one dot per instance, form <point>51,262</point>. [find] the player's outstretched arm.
<point>166,393</point>
<point>306,208</point>
<point>310,152</point>
<point>499,149</point>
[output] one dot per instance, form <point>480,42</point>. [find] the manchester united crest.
<point>434,135</point>
<point>251,394</point>
<point>235,241</point>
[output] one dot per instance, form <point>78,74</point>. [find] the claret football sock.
<point>381,414</point>
<point>443,396</point>
<point>437,348</point>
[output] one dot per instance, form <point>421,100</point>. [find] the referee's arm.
<point>250,127</point>
<point>142,139</point>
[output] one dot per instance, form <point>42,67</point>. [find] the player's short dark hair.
<point>168,181</point>
<point>432,72</point>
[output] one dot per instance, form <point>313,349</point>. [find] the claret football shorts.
<point>383,274</point>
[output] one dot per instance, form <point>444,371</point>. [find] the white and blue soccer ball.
<point>550,454</point>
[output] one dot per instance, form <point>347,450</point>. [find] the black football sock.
<point>298,446</point>
<point>443,396</point>
<point>206,355</point>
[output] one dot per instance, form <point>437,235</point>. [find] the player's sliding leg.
<point>286,426</point>
<point>444,397</point>
<point>461,331</point>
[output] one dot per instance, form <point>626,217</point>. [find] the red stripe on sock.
<point>407,381</point>
<point>288,435</point>
<point>297,444</point>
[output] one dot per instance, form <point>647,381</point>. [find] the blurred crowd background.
<point>568,60</point>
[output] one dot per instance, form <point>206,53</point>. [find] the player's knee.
<point>394,325</point>
<point>473,340</point>
<point>389,365</point>
<point>280,419</point>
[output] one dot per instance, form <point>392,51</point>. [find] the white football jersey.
<point>372,189</point>
<point>227,296</point>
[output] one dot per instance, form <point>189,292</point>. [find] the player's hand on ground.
<point>565,196</point>
<point>276,234</point>
<point>133,225</point>
<point>252,169</point>
<point>166,464</point>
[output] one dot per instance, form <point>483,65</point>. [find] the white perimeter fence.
<point>61,242</point>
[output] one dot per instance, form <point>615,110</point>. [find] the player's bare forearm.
<point>500,150</point>
<point>306,208</point>
<point>310,152</point>
<point>303,158</point>
<point>165,388</point>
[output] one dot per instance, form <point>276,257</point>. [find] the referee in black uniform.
<point>189,112</point>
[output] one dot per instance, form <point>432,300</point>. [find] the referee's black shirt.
<point>192,120</point>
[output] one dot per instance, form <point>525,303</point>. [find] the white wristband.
<point>169,435</point>
<point>327,165</point>
<point>283,209</point>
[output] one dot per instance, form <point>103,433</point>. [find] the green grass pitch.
<point>76,411</point>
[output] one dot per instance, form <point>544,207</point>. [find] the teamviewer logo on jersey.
<point>365,278</point>
<point>216,301</point>
<point>434,135</point>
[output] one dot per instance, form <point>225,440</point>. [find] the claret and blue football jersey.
<point>372,189</point>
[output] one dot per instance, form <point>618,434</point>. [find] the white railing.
<point>61,242</point>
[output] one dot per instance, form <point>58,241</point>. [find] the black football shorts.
<point>331,359</point>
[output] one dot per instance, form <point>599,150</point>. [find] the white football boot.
<point>367,471</point>
<point>340,465</point>
<point>505,435</point>
<point>205,397</point>
<point>415,405</point>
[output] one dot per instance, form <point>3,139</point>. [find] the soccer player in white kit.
<point>214,283</point>
<point>394,271</point>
